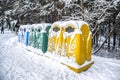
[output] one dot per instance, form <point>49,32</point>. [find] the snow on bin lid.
<point>71,23</point>
<point>28,27</point>
<point>75,23</point>
<point>45,25</point>
<point>41,25</point>
<point>23,26</point>
<point>58,24</point>
<point>81,23</point>
<point>36,25</point>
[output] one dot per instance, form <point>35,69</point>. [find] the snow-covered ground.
<point>16,63</point>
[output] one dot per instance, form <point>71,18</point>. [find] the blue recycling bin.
<point>27,31</point>
<point>27,38</point>
<point>21,33</point>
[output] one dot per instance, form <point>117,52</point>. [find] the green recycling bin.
<point>31,36</point>
<point>44,36</point>
<point>38,35</point>
<point>44,40</point>
<point>42,31</point>
<point>34,38</point>
<point>48,28</point>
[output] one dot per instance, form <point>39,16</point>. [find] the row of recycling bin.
<point>69,36</point>
<point>66,39</point>
<point>35,35</point>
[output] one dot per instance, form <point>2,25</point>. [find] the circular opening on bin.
<point>56,29</point>
<point>24,29</point>
<point>39,30</point>
<point>32,29</point>
<point>69,29</point>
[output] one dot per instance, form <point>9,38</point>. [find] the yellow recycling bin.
<point>55,42</point>
<point>71,40</point>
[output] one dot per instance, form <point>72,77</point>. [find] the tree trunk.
<point>93,40</point>
<point>78,1</point>
<point>108,38</point>
<point>114,39</point>
<point>96,38</point>
<point>82,6</point>
<point>118,23</point>
<point>119,40</point>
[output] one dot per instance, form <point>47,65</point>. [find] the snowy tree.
<point>102,15</point>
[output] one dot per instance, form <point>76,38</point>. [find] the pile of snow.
<point>16,63</point>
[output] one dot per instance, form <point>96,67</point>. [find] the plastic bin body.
<point>27,38</point>
<point>42,33</point>
<point>72,39</point>
<point>34,39</point>
<point>37,36</point>
<point>21,34</point>
<point>38,40</point>
<point>27,35</point>
<point>44,40</point>
<point>30,38</point>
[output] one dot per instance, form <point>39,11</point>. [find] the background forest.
<point>103,17</point>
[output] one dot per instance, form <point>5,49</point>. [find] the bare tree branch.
<point>118,23</point>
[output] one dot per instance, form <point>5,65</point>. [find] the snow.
<point>116,2</point>
<point>67,1</point>
<point>65,60</point>
<point>14,22</point>
<point>17,63</point>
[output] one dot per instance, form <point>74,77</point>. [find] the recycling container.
<point>27,34</point>
<point>72,40</point>
<point>44,38</point>
<point>38,35</point>
<point>42,31</point>
<point>30,43</point>
<point>21,34</point>
<point>34,38</point>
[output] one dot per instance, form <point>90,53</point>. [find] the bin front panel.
<point>87,40</point>
<point>44,42</point>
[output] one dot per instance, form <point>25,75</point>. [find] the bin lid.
<point>76,24</point>
<point>45,25</point>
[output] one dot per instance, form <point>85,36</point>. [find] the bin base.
<point>81,68</point>
<point>71,65</point>
<point>77,69</point>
